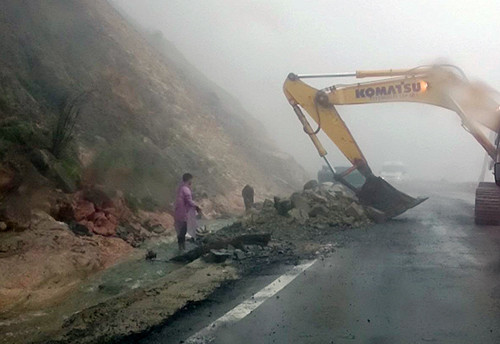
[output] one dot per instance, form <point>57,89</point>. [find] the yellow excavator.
<point>443,85</point>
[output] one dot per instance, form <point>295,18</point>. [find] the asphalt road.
<point>431,276</point>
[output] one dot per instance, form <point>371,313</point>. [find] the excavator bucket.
<point>381,195</point>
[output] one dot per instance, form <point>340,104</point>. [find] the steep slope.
<point>146,118</point>
<point>149,118</point>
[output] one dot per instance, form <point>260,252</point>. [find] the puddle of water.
<point>136,273</point>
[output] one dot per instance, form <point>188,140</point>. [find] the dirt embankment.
<point>50,240</point>
<point>39,267</point>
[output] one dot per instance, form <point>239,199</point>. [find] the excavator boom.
<point>444,86</point>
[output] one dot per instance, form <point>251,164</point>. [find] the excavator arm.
<point>443,86</point>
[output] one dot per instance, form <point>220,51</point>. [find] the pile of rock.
<point>100,218</point>
<point>92,211</point>
<point>324,204</point>
<point>95,210</point>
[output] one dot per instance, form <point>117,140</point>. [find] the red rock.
<point>83,210</point>
<point>111,211</point>
<point>103,226</point>
<point>97,216</point>
<point>112,219</point>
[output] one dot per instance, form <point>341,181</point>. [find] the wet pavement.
<point>431,275</point>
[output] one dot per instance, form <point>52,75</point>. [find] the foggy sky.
<point>248,47</point>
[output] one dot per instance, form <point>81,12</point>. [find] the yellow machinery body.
<point>440,85</point>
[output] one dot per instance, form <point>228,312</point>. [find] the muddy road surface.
<point>429,276</point>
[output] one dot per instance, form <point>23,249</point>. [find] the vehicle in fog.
<point>394,171</point>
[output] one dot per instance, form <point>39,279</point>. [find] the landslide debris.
<point>282,230</point>
<point>318,206</point>
<point>304,225</point>
<point>41,265</point>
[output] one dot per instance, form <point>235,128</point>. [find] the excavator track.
<point>487,209</point>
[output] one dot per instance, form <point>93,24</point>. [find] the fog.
<point>248,47</point>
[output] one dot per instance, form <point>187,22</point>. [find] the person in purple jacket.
<point>183,204</point>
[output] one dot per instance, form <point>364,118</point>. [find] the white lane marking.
<point>205,336</point>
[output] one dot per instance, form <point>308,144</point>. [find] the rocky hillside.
<point>146,115</point>
<point>98,121</point>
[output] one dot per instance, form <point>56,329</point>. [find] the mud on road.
<point>430,275</point>
<point>305,226</point>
